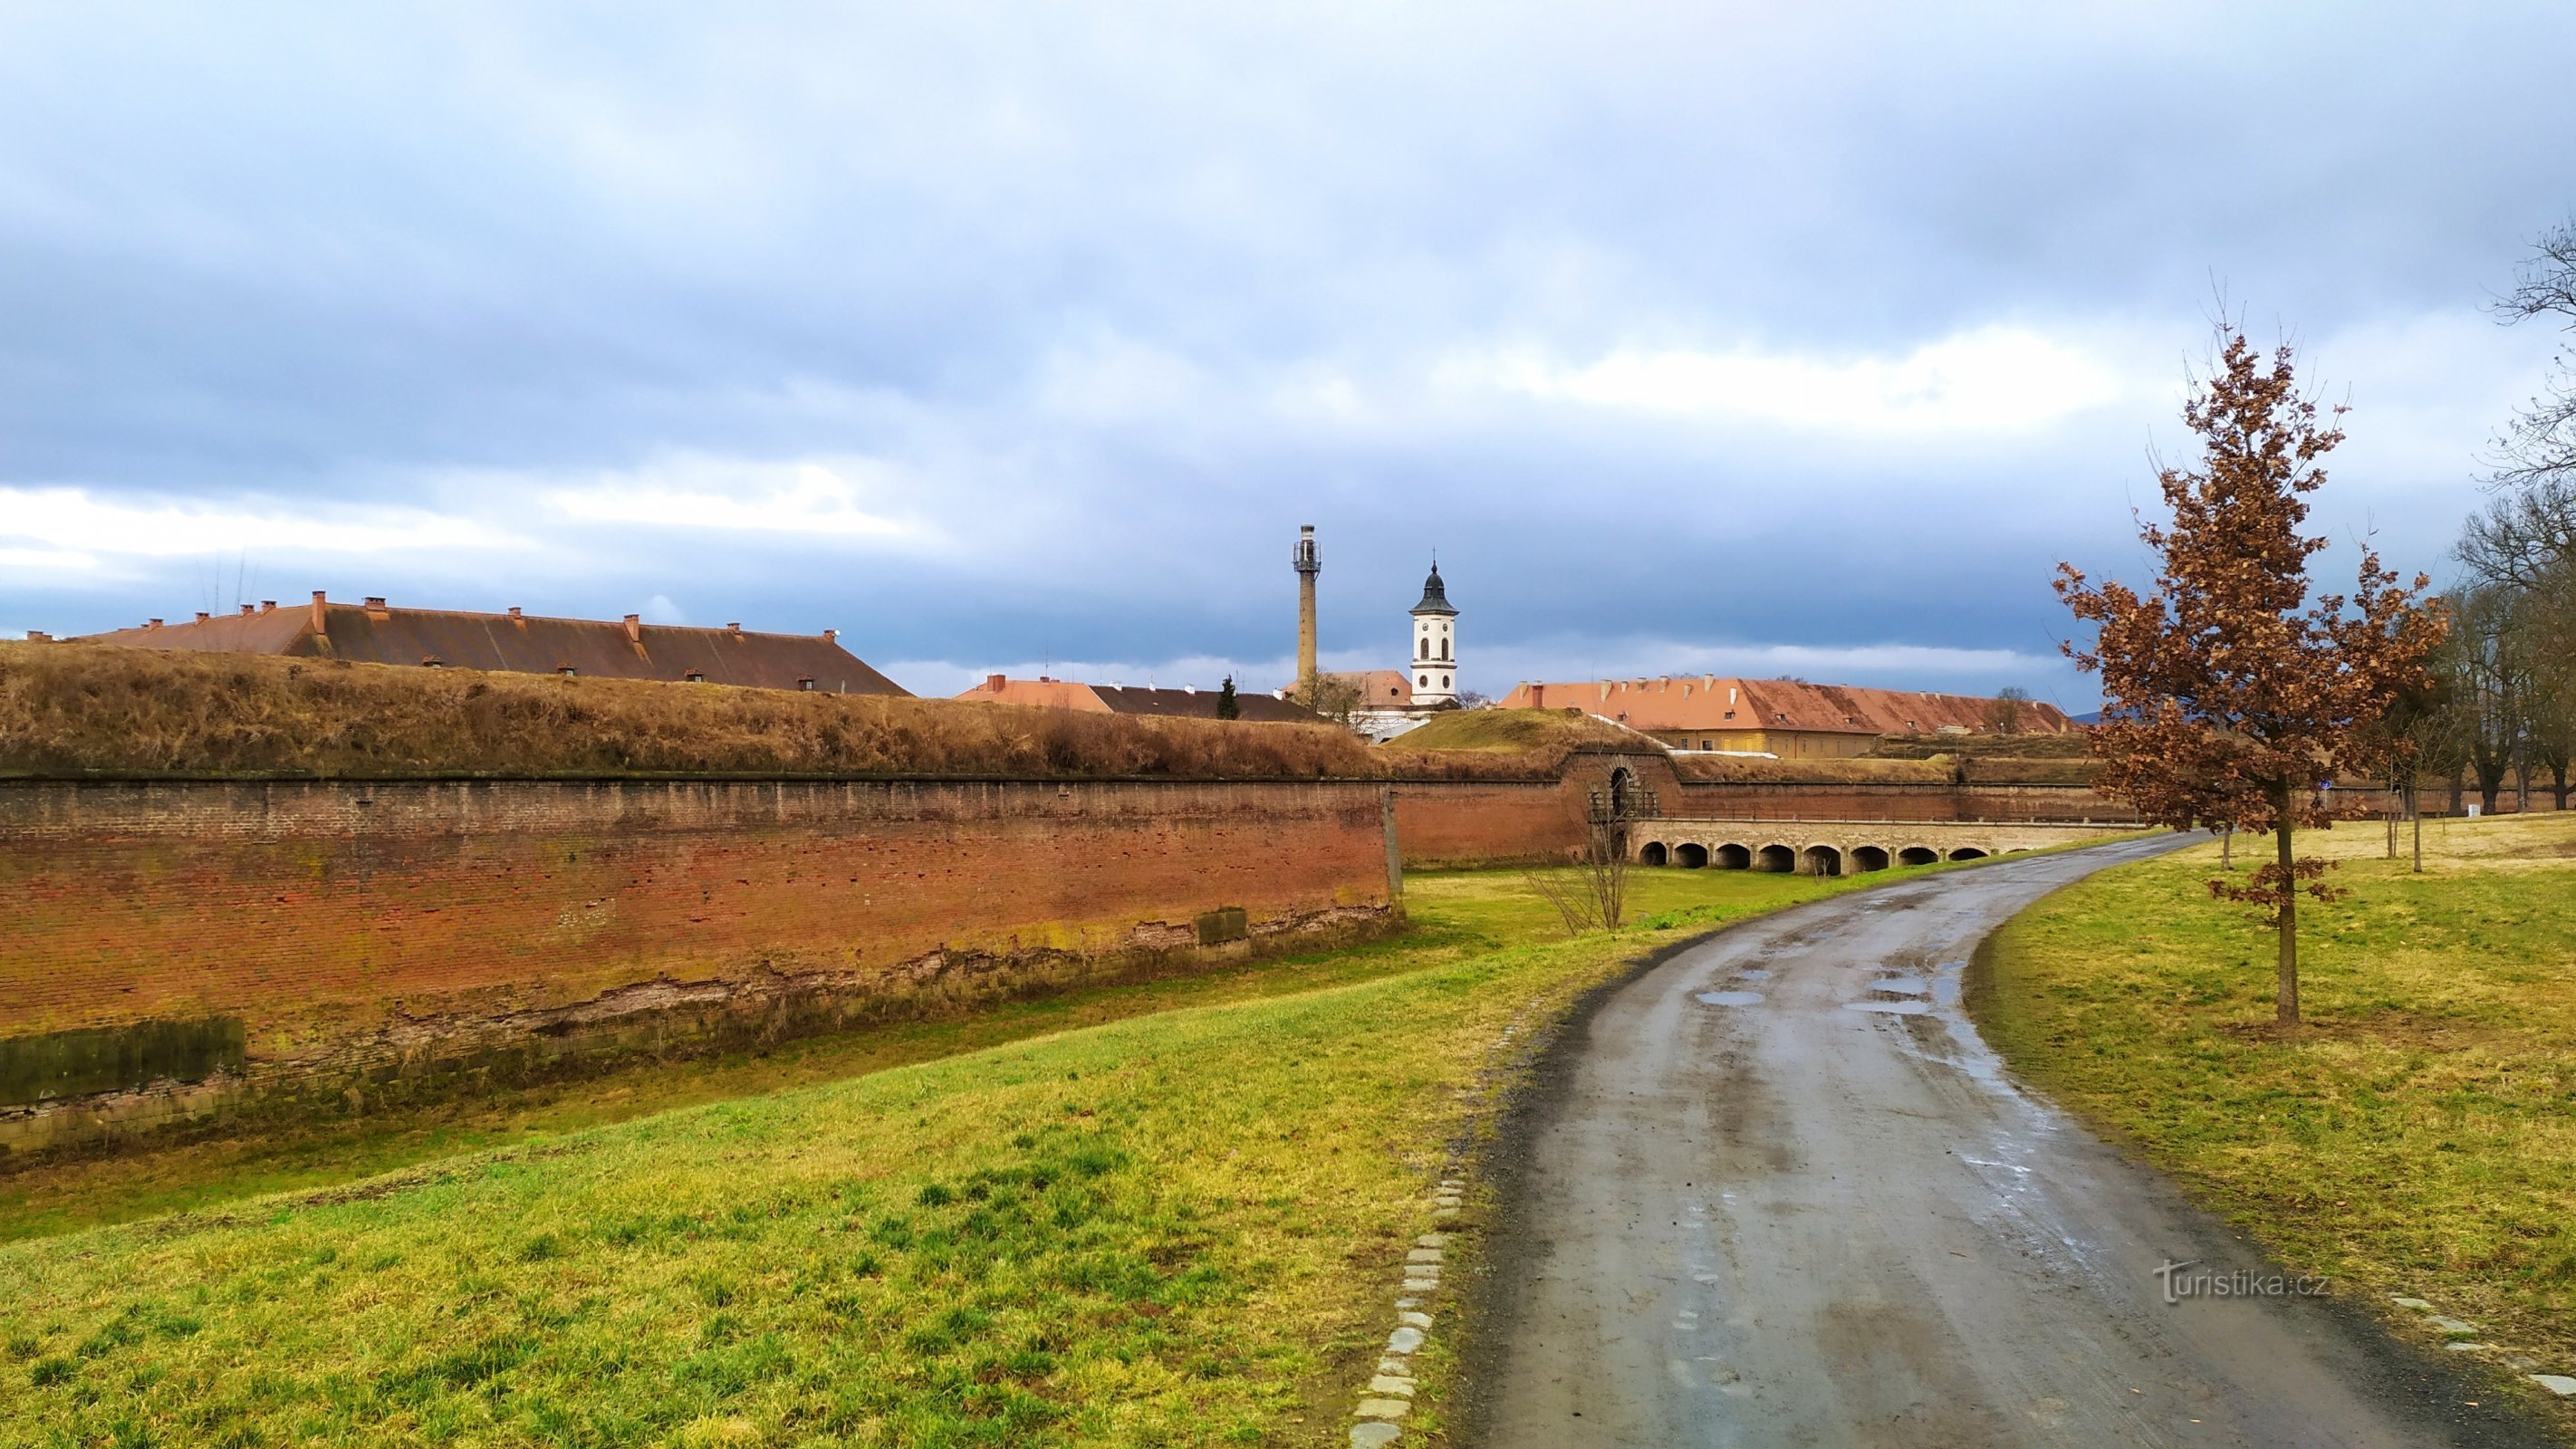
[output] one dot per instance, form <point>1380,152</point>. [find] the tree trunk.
<point>2286,1001</point>
<point>2415,809</point>
<point>2388,812</point>
<point>2226,843</point>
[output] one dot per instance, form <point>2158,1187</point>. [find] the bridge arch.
<point>1821,860</point>
<point>1734,857</point>
<point>1869,857</point>
<point>1918,855</point>
<point>1778,859</point>
<point>1967,852</point>
<point>1653,854</point>
<point>1690,855</point>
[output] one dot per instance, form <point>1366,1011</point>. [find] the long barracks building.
<point>519,643</point>
<point>1784,717</point>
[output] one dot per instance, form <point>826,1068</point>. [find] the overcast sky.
<point>1783,338</point>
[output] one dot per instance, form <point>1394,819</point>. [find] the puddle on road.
<point>1728,998</point>
<point>1900,1008</point>
<point>1752,973</point>
<point>1902,985</point>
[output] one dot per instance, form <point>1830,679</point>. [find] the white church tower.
<point>1435,645</point>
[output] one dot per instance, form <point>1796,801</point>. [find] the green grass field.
<point>2418,1137</point>
<point>1176,1228</point>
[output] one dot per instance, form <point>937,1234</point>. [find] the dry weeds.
<point>77,710</point>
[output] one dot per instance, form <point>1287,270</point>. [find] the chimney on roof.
<point>635,628</point>
<point>151,623</point>
<point>734,627</point>
<point>993,682</point>
<point>203,616</point>
<point>248,609</point>
<point>317,611</point>
<point>831,636</point>
<point>39,636</point>
<point>268,606</point>
<point>375,601</point>
<point>515,614</point>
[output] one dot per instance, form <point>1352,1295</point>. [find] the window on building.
<point>1425,681</point>
<point>1708,744</point>
<point>1444,681</point>
<point>1444,648</point>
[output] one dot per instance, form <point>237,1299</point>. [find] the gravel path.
<point>1776,1191</point>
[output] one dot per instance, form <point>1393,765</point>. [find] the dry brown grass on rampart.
<point>2074,744</point>
<point>1740,769</point>
<point>81,710</point>
<point>2039,770</point>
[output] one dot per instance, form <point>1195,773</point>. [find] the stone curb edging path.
<point>2462,1337</point>
<point>1389,1396</point>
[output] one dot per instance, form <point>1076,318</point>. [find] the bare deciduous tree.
<point>1592,895</point>
<point>2004,712</point>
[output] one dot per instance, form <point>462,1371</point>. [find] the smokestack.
<point>1308,563</point>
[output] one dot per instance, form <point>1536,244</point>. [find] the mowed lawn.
<point>1174,1229</point>
<point>2417,1138</point>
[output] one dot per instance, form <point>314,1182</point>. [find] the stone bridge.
<point>1841,847</point>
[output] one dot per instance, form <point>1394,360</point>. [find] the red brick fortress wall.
<point>364,933</point>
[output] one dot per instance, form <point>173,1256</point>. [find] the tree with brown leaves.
<point>2229,696</point>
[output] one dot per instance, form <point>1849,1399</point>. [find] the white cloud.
<point>827,497</point>
<point>78,526</point>
<point>660,610</point>
<point>49,560</point>
<point>1992,379</point>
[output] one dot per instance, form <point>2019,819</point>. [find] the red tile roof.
<point>1121,699</point>
<point>375,633</point>
<point>1382,688</point>
<point>1714,702</point>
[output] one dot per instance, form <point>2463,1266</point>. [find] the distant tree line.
<point>2501,712</point>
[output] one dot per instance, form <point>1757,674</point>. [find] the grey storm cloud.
<point>1793,339</point>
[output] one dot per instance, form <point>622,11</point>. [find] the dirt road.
<point>1776,1191</point>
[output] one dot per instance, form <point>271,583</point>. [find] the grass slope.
<point>1174,1229</point>
<point>2417,1138</point>
<point>1498,731</point>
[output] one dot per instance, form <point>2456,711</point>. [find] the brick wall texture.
<point>373,932</point>
<point>373,929</point>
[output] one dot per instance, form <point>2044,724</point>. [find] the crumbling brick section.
<point>368,936</point>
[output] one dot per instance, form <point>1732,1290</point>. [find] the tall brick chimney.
<point>318,627</point>
<point>1308,563</point>
<point>635,629</point>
